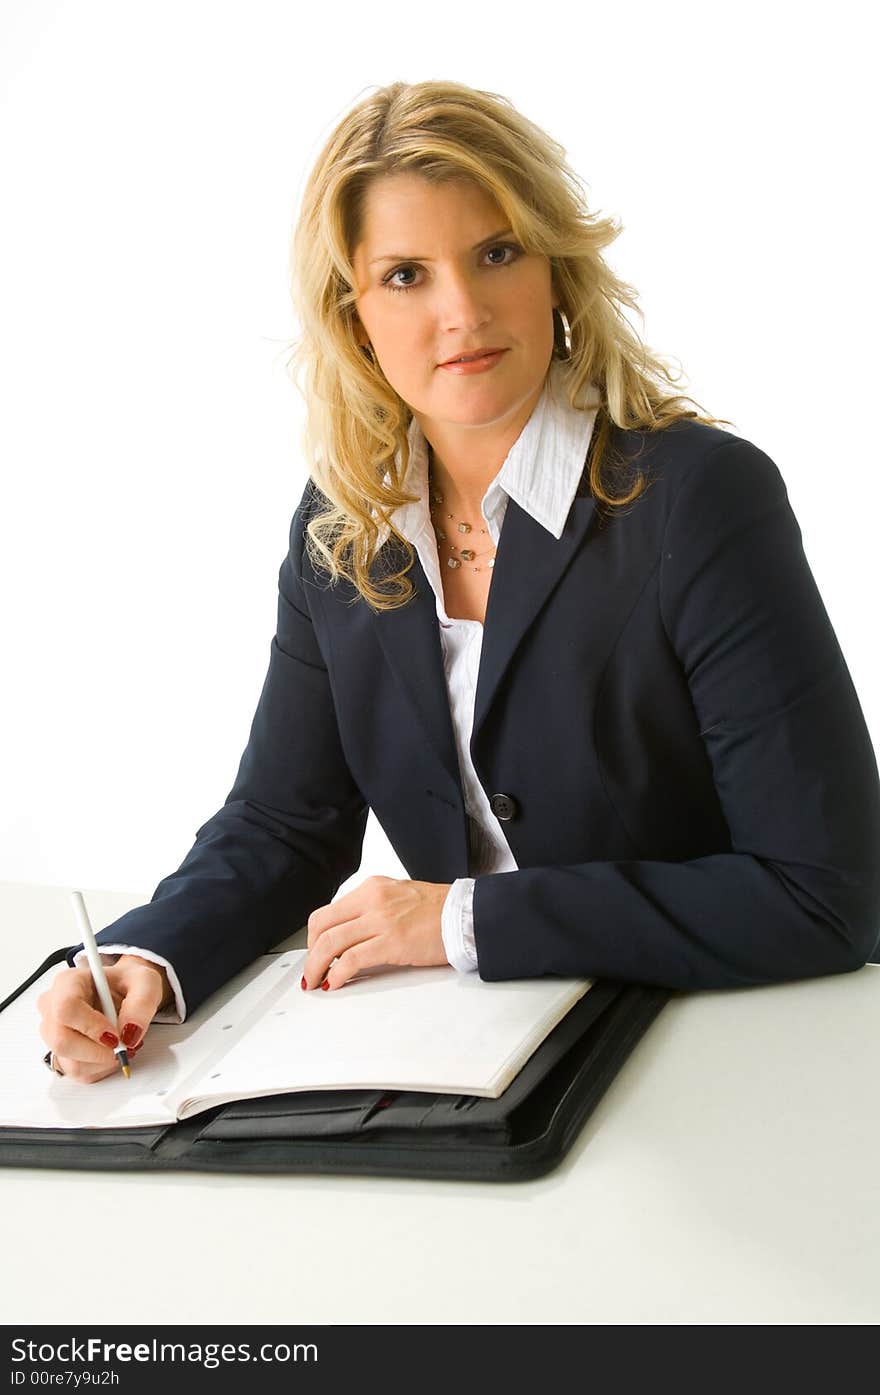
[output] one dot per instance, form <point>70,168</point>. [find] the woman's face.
<point>439,275</point>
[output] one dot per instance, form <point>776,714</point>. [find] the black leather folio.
<point>522,1134</point>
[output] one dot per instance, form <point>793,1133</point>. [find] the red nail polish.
<point>109,1039</point>
<point>131,1034</point>
<point>303,985</point>
<point>325,985</point>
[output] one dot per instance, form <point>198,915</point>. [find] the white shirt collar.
<point>541,472</point>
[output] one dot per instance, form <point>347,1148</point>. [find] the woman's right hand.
<point>75,1027</point>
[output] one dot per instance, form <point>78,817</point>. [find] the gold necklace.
<point>465,554</point>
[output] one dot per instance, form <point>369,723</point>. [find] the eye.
<point>504,247</point>
<point>388,281</point>
<point>409,267</point>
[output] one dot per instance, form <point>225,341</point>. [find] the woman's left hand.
<point>383,921</point>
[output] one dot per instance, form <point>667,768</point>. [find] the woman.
<point>555,627</point>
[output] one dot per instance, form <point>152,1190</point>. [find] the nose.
<point>463,303</point>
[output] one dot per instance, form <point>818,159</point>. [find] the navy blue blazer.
<point>682,764</point>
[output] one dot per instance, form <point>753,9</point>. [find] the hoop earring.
<point>560,323</point>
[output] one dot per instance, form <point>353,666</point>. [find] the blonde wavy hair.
<point>355,438</point>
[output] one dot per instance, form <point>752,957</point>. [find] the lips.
<point>471,357</point>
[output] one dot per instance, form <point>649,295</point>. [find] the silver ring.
<point>52,1064</point>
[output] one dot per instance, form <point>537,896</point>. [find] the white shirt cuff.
<point>114,951</point>
<point>457,925</point>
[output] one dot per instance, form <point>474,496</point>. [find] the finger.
<point>364,955</point>
<point>345,908</point>
<point>84,1074</point>
<point>323,951</point>
<point>143,989</point>
<point>312,926</point>
<point>334,913</point>
<point>88,1075</point>
<point>75,1046</point>
<point>327,946</point>
<point>70,1018</point>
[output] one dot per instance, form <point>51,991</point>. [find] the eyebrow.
<point>404,257</point>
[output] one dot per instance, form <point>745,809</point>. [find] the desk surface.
<point>731,1174</point>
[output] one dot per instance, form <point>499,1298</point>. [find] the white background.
<point>151,163</point>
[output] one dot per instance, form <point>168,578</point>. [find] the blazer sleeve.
<point>289,833</point>
<point>799,893</point>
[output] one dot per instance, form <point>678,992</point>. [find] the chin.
<point>475,402</point>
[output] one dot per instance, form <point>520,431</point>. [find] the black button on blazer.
<point>504,807</point>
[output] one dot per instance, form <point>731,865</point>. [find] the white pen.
<point>97,968</point>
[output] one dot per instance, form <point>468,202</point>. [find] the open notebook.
<point>429,1029</point>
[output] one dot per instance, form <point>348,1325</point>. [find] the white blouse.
<point>541,474</point>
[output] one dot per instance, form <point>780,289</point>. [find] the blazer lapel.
<point>529,563</point>
<point>410,638</point>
